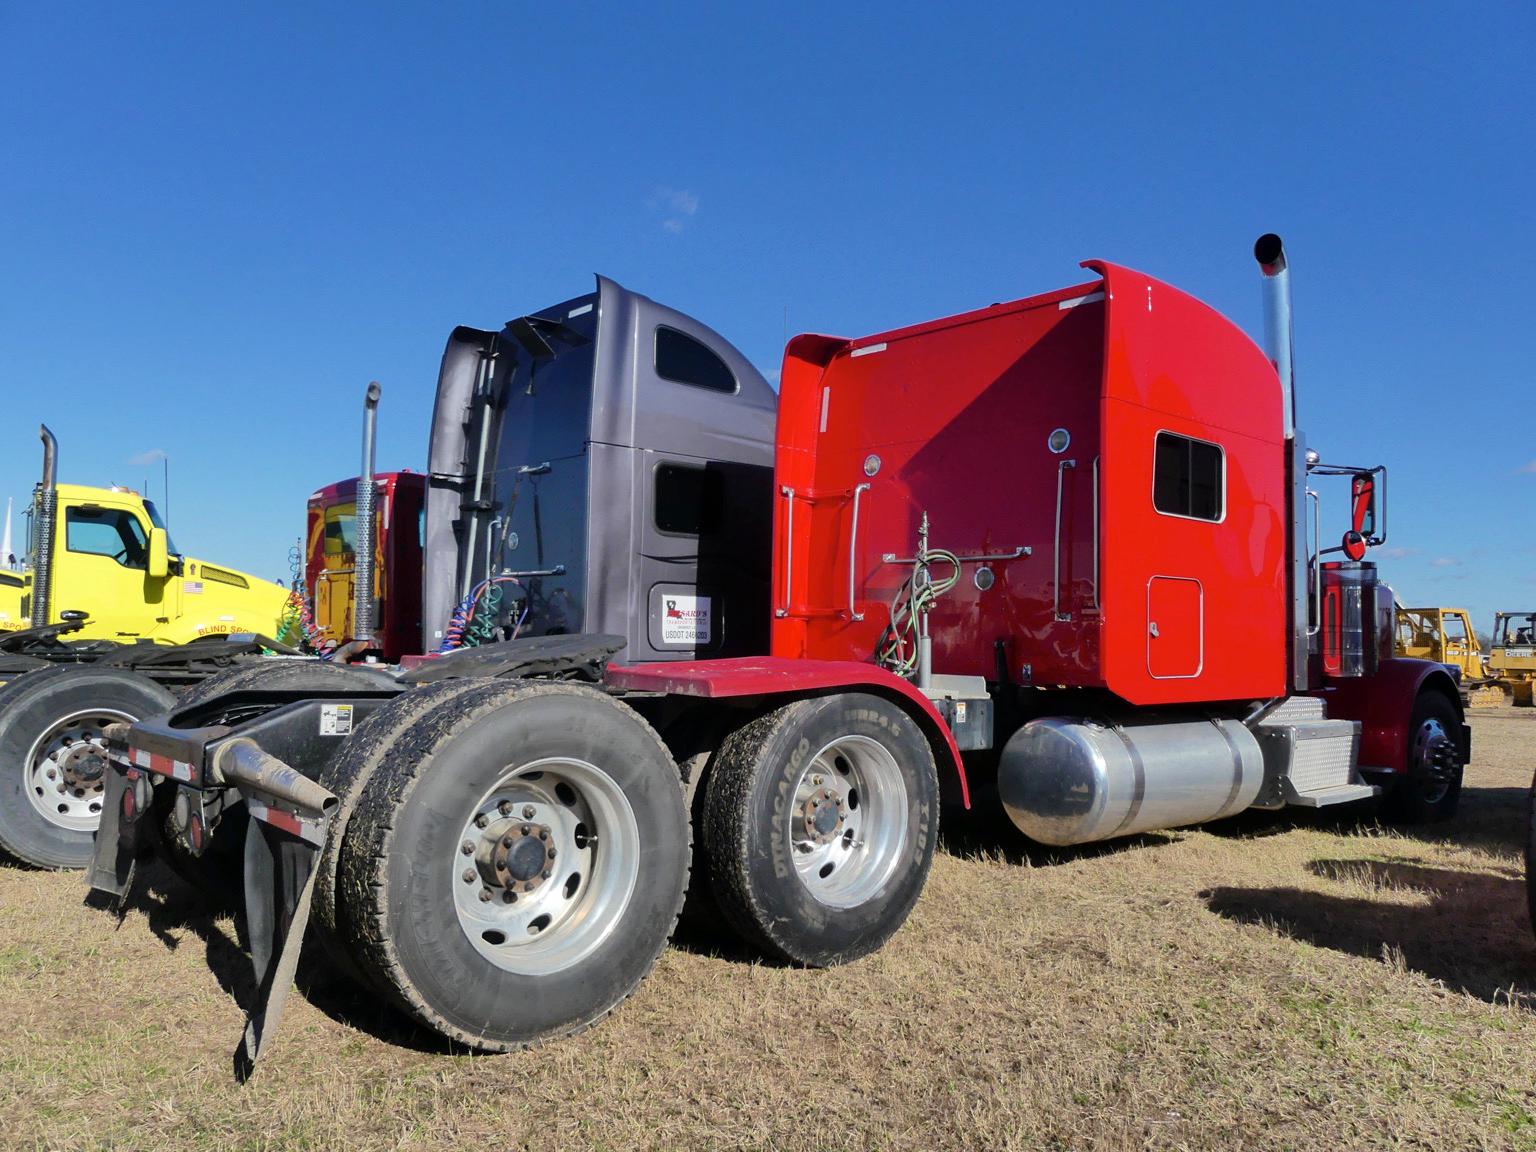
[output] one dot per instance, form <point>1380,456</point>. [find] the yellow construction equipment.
<point>1446,636</point>
<point>1512,661</point>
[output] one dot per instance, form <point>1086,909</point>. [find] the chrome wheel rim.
<point>848,827</point>
<point>545,865</point>
<point>1433,759</point>
<point>65,771</point>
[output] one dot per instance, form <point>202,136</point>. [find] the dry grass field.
<point>1276,982</point>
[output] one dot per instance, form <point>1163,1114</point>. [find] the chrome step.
<point>1294,710</point>
<point>1306,759</point>
<point>1343,794</point>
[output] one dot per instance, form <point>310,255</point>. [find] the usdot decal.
<point>684,619</point>
<point>335,719</point>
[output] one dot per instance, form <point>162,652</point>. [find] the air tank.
<point>1068,781</point>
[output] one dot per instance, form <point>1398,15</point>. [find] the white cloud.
<point>1445,562</point>
<point>1399,553</point>
<point>153,456</point>
<point>675,205</point>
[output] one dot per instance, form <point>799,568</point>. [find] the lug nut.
<point>551,851</point>
<point>482,821</point>
<point>543,833</point>
<point>506,841</point>
<point>546,873</point>
<point>469,875</point>
<point>509,897</point>
<point>468,847</point>
<point>485,895</point>
<point>816,780</point>
<point>526,829</point>
<point>505,807</point>
<point>528,811</point>
<point>52,775</point>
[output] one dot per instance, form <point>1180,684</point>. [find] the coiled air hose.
<point>897,648</point>
<point>474,621</point>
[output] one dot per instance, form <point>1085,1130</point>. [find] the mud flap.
<point>119,842</point>
<point>279,883</point>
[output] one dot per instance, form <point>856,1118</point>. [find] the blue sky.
<point>218,227</point>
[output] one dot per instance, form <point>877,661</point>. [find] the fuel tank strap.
<point>1237,766</point>
<point>1138,766</point>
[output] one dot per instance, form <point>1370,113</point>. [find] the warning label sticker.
<point>335,719</point>
<point>685,619</point>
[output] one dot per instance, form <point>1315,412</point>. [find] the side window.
<point>689,501</point>
<point>340,529</point>
<point>111,532</point>
<point>683,360</point>
<point>1189,478</point>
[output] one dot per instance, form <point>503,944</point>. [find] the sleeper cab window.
<point>1189,478</point>
<point>689,501</point>
<point>683,360</point>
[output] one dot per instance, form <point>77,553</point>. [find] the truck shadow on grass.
<point>173,909</point>
<point>1468,930</point>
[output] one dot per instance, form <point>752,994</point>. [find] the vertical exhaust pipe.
<point>363,599</point>
<point>1269,251</point>
<point>43,530</point>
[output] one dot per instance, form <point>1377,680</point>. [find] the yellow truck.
<point>1512,658</point>
<point>106,624</point>
<point>1446,636</point>
<point>110,558</point>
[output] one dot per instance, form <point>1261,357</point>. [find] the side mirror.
<point>1362,494</point>
<point>158,563</point>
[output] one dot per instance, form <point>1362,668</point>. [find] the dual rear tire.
<point>819,826</point>
<point>508,860</point>
<point>512,861</point>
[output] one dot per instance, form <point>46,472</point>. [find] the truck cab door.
<point>335,585</point>
<point>100,566</point>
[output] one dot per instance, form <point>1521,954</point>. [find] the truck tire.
<point>281,675</point>
<point>1430,789</point>
<point>52,767</point>
<point>549,920</point>
<point>348,776</point>
<point>819,827</point>
<point>218,872</point>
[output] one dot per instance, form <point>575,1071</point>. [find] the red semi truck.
<point>330,562</point>
<point>1053,552</point>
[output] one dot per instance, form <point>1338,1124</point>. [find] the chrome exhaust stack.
<point>1269,251</point>
<point>363,598</point>
<point>43,529</point>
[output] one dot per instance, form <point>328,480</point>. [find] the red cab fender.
<point>769,676</point>
<point>1383,704</point>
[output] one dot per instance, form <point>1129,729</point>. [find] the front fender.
<point>1383,704</point>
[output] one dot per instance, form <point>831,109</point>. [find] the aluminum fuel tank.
<point>1066,781</point>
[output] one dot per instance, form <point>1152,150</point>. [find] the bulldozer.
<point>1446,636</point>
<point>1512,661</point>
